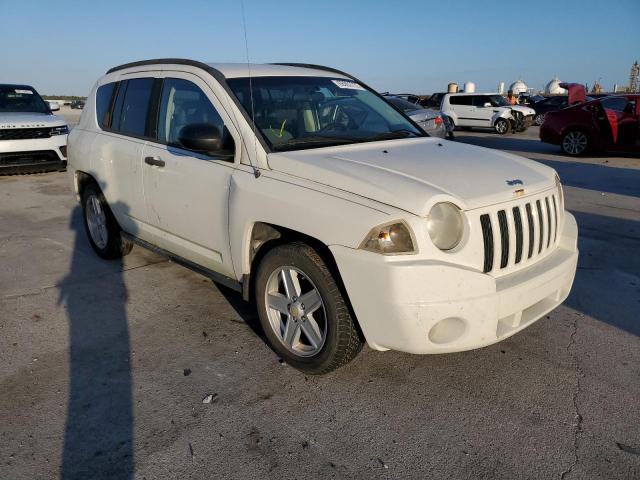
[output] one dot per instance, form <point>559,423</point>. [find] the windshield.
<point>405,105</point>
<point>293,113</point>
<point>499,101</point>
<point>21,99</point>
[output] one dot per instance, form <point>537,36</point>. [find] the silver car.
<point>431,121</point>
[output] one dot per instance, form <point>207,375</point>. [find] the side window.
<point>480,100</point>
<point>183,103</point>
<point>460,99</point>
<point>133,117</point>
<point>116,114</point>
<point>617,104</point>
<point>103,102</point>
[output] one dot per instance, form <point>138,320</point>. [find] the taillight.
<point>438,120</point>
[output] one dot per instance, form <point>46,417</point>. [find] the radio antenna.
<point>256,171</point>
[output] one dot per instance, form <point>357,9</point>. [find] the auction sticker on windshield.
<point>28,92</point>
<point>347,84</point>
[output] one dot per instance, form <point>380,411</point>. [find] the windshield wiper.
<point>310,142</point>
<point>393,134</point>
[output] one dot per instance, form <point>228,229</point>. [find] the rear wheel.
<point>538,119</point>
<point>502,126</point>
<point>103,230</point>
<point>574,143</point>
<point>302,311</point>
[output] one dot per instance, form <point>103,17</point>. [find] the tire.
<point>104,233</point>
<point>575,143</point>
<point>538,119</point>
<point>313,341</point>
<point>502,126</point>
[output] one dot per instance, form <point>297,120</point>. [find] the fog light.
<point>63,151</point>
<point>447,330</point>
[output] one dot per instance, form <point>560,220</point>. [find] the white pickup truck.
<point>302,188</point>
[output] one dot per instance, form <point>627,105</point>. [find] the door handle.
<point>156,161</point>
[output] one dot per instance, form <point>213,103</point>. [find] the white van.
<point>302,188</point>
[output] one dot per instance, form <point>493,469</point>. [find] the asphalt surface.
<point>104,365</point>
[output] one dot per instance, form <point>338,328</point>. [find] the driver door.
<point>187,192</point>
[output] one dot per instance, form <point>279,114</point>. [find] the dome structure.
<point>518,87</point>
<point>554,88</point>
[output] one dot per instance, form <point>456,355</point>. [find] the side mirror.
<point>205,138</point>
<point>53,106</point>
<point>487,105</point>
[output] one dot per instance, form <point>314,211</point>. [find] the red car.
<point>610,123</point>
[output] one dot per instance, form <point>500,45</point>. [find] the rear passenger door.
<point>117,151</point>
<point>187,192</point>
<point>464,110</point>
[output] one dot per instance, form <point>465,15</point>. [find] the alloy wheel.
<point>539,119</point>
<point>96,221</point>
<point>296,311</point>
<point>574,143</point>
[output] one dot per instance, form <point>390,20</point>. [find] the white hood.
<point>411,174</point>
<point>524,110</point>
<point>29,120</point>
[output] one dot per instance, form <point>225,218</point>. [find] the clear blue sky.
<point>63,46</point>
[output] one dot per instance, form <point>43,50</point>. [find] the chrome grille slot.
<point>504,239</point>
<point>518,235</point>
<point>540,226</point>
<point>487,237</point>
<point>517,219</point>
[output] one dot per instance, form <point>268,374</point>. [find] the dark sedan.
<point>610,123</point>
<point>549,104</point>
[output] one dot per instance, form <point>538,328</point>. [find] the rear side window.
<point>133,117</point>
<point>460,99</point>
<point>103,102</point>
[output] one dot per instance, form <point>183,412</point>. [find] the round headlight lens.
<point>445,225</point>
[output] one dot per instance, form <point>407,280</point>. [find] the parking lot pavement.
<point>104,365</point>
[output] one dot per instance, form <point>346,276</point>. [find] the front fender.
<point>302,206</point>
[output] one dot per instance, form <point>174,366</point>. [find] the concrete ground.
<point>104,365</point>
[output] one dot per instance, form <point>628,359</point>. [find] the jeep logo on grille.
<point>515,181</point>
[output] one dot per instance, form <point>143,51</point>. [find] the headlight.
<point>560,193</point>
<point>59,130</point>
<point>445,225</point>
<point>390,238</point>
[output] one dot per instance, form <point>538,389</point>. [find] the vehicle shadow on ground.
<point>607,284</point>
<point>598,177</point>
<point>509,142</point>
<point>99,425</point>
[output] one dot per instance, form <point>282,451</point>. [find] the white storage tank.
<point>518,87</point>
<point>554,88</point>
<point>469,87</point>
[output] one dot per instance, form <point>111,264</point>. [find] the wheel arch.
<point>266,236</point>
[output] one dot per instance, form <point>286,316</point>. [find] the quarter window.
<point>103,101</point>
<point>183,103</point>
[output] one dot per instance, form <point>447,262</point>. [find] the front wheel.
<point>302,311</point>
<point>502,126</point>
<point>574,143</point>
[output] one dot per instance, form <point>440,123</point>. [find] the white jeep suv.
<point>487,110</point>
<point>302,188</point>
<point>32,139</point>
